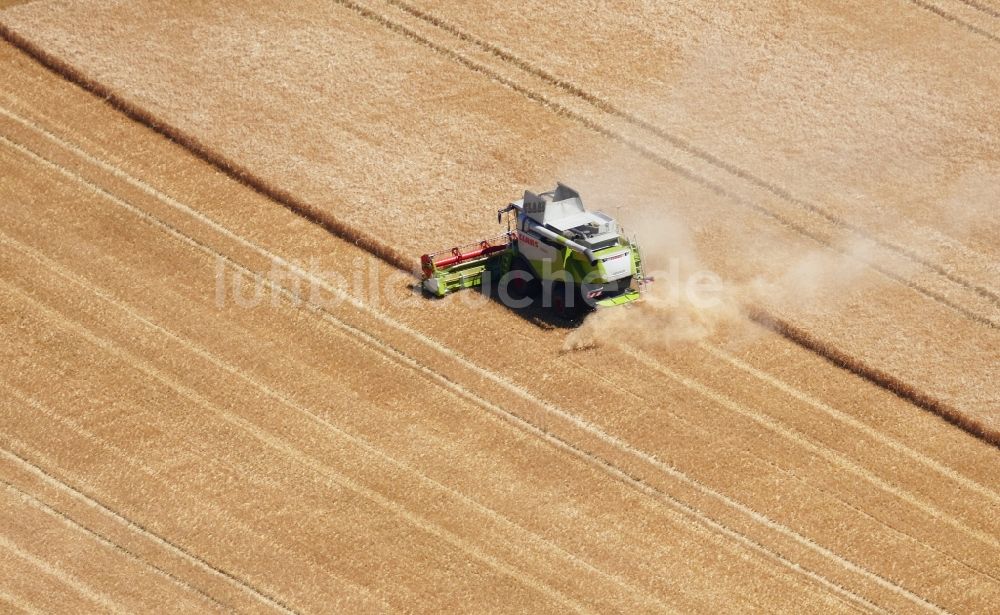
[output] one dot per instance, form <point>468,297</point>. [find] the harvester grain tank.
<point>553,245</point>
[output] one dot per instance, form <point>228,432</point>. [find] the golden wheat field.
<point>221,391</point>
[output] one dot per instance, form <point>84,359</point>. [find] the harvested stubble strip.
<point>458,119</point>
<point>803,337</point>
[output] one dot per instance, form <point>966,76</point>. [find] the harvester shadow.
<point>535,313</point>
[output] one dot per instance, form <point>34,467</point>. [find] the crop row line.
<point>37,503</point>
<point>310,414</point>
<point>940,12</point>
<point>682,144</point>
<point>547,408</point>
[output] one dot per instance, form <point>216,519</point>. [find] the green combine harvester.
<point>574,259</point>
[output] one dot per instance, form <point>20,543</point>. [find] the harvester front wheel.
<point>522,283</point>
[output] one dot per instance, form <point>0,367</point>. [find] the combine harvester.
<point>574,257</point>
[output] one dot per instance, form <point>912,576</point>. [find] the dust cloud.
<point>690,301</point>
<point>823,279</point>
<point>686,302</point>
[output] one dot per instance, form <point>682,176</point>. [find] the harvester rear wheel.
<point>563,305</point>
